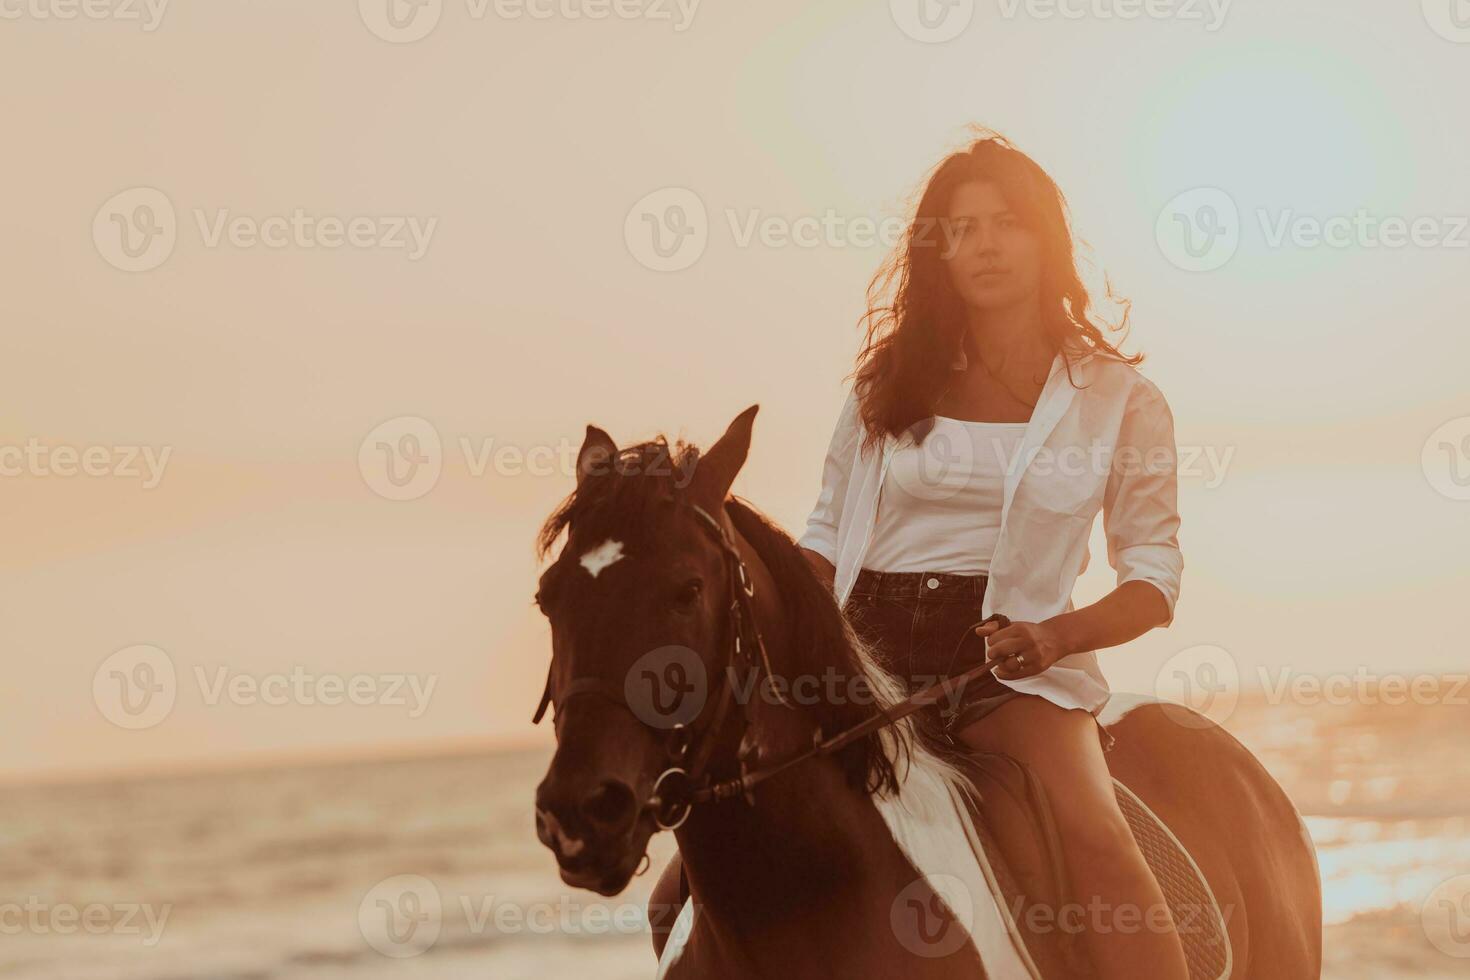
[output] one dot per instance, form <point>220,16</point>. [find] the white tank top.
<point>939,506</point>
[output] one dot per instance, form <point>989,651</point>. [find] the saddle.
<point>1022,844</point>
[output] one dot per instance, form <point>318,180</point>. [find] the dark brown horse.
<point>691,642</point>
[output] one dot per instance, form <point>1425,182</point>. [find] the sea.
<point>429,866</point>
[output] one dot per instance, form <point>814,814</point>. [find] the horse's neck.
<point>809,838</point>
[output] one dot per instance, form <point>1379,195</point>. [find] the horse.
<point>693,646</point>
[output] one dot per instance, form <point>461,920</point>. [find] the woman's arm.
<point>1141,522</point>
<point>1126,613</point>
<point>819,542</point>
<point>1141,503</point>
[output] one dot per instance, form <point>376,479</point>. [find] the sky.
<point>257,252</point>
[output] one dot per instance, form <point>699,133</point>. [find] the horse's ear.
<point>716,469</point>
<point>596,454</point>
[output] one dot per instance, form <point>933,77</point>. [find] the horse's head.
<point>638,600</point>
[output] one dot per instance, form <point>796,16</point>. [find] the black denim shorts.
<point>919,625</point>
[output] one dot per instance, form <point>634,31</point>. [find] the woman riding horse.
<point>964,476</point>
<point>816,826</point>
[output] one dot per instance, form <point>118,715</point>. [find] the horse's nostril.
<point>611,806</point>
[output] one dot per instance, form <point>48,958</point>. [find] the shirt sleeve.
<point>1140,505</point>
<point>821,526</point>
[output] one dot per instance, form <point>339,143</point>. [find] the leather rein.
<point>684,783</point>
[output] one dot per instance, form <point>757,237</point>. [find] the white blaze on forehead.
<point>605,554</point>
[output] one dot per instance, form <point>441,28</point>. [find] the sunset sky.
<point>529,154</point>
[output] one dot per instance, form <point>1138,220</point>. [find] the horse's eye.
<point>689,593</point>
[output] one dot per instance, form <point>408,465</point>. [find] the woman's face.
<point>994,261</point>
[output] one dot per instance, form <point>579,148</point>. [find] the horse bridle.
<point>676,789</point>
<point>680,787</point>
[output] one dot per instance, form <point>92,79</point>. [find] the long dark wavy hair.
<point>916,321</point>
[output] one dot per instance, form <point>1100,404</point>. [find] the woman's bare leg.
<point>1126,927</point>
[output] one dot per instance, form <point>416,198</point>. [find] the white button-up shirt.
<point>1108,446</point>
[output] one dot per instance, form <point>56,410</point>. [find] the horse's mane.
<point>820,639</point>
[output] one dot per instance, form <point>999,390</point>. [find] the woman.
<point>989,422</point>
